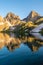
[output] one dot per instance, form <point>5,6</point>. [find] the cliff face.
<point>13,19</point>
<point>33,16</point>
<point>8,21</point>
<point>10,16</point>
<point>3,24</point>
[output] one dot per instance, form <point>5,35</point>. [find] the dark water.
<point>21,50</point>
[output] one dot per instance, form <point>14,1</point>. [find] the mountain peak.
<point>11,15</point>
<point>33,14</point>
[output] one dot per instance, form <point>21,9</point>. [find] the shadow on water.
<point>18,49</point>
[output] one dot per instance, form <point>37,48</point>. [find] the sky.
<point>21,8</point>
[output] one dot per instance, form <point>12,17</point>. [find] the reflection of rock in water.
<point>13,42</point>
<point>8,41</point>
<point>33,46</point>
<point>33,43</point>
<point>12,46</point>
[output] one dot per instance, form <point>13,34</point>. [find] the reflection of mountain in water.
<point>13,42</point>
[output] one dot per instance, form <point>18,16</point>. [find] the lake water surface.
<point>25,50</point>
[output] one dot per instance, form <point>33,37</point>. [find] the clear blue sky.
<point>21,7</point>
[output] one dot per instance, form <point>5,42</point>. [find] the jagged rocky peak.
<point>12,16</point>
<point>32,16</point>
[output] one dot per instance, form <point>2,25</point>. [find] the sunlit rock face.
<point>33,16</point>
<point>9,21</point>
<point>12,16</point>
<point>12,43</point>
<point>4,24</point>
<point>13,19</point>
